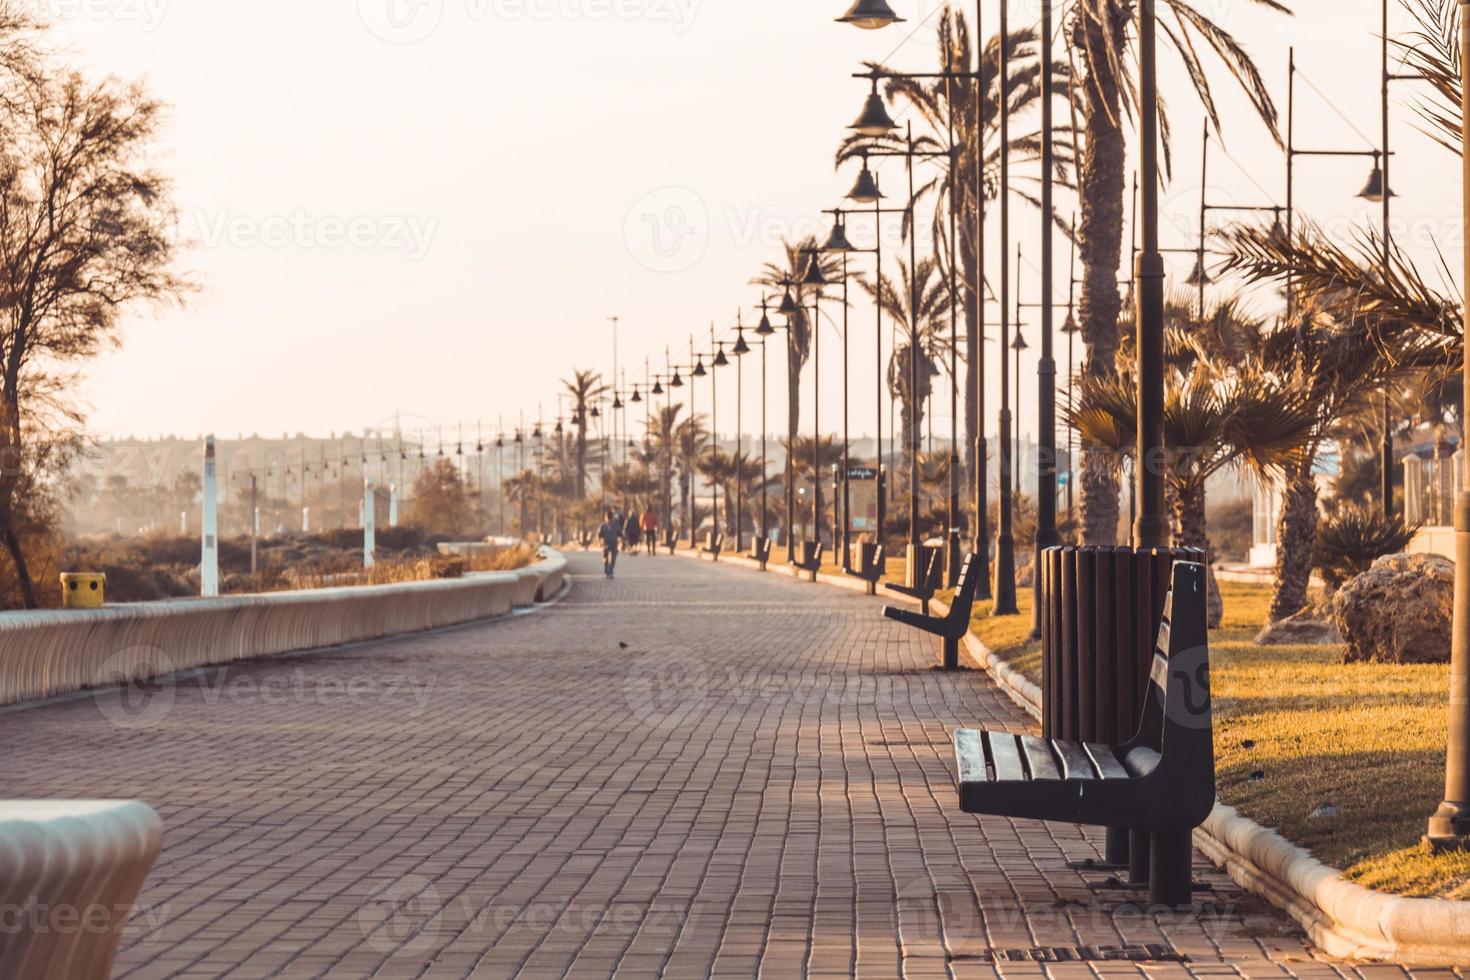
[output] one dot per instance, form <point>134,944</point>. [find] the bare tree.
<point>86,234</point>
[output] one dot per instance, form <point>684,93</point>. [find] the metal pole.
<point>1204,171</point>
<point>846,433</point>
<point>765,512</point>
<point>878,376</point>
<point>913,435</point>
<point>982,445</point>
<point>739,445</point>
<point>791,421</point>
<point>1151,528</point>
<point>714,435</point>
<point>1290,169</point>
<point>817,413</point>
<point>1449,828</point>
<point>953,534</point>
<point>1046,365</point>
<point>1005,546</point>
<point>1387,258</point>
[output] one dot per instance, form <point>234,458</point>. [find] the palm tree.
<point>691,441</point>
<point>1360,326</point>
<point>663,441</point>
<point>828,453</point>
<point>933,330</point>
<point>942,106</point>
<point>1099,36</point>
<point>787,275</point>
<point>585,387</point>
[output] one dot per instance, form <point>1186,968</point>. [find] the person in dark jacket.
<point>611,535</point>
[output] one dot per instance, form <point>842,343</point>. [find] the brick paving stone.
<point>690,771</point>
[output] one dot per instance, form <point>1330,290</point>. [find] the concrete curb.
<point>1343,919</point>
<point>53,652</point>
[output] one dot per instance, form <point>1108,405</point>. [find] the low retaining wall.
<point>51,652</point>
<point>70,872</point>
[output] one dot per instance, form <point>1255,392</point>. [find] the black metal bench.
<point>761,551</point>
<point>953,627</point>
<point>873,565</point>
<point>671,541</point>
<point>811,558</point>
<point>1160,785</point>
<point>714,543</point>
<point>929,582</point>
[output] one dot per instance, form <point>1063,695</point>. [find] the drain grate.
<point>1149,953</point>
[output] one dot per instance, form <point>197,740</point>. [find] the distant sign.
<point>863,486</point>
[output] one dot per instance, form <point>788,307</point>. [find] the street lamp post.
<point>740,349</point>
<point>1005,546</point>
<point>1151,527</point>
<point>1046,365</point>
<point>1449,828</point>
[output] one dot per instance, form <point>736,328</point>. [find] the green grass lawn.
<point>1367,739</point>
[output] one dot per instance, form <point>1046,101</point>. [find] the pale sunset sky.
<point>433,206</point>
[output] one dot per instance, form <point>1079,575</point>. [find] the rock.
<point>1258,775</point>
<point>1248,743</point>
<point>1398,611</point>
<point>1304,627</point>
<point>1323,811</point>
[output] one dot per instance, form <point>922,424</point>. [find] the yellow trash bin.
<point>83,590</point>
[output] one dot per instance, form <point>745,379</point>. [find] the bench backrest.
<point>1177,718</point>
<point>934,574</point>
<point>968,588</point>
<point>879,561</point>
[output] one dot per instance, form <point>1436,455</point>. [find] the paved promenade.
<point>689,771</point>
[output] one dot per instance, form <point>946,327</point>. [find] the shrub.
<point>1350,540</point>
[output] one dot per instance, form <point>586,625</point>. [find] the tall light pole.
<point>1151,527</point>
<point>1005,544</point>
<point>1449,828</point>
<point>1046,365</point>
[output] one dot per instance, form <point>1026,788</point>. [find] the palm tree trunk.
<point>1296,539</point>
<point>1193,532</point>
<point>1102,185</point>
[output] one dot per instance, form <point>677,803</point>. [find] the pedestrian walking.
<point>611,534</point>
<point>649,524</point>
<point>632,533</point>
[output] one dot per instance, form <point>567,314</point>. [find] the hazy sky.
<point>432,206</point>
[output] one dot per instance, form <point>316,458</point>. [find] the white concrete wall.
<point>51,652</point>
<point>70,871</point>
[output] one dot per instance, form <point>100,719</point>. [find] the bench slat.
<point>1039,758</point>
<point>1163,643</point>
<point>1106,763</point>
<point>1005,756</point>
<point>970,756</point>
<point>1075,763</point>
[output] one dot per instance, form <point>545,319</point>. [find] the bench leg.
<point>951,654</point>
<point>1138,863</point>
<point>1115,851</point>
<point>1169,882</point>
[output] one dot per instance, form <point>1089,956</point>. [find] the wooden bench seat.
<point>953,627</point>
<point>1161,783</point>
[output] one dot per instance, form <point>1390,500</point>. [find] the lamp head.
<point>865,188</point>
<point>874,120</point>
<point>678,382</point>
<point>837,240</point>
<point>637,398</point>
<point>699,369</point>
<point>741,348</point>
<point>720,359</point>
<point>814,275</point>
<point>658,387</point>
<point>1374,189</point>
<point>788,305</point>
<point>870,15</point>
